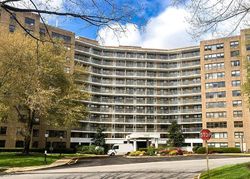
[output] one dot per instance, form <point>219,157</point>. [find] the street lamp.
<point>61,138</point>
<point>45,152</point>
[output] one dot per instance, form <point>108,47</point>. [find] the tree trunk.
<point>28,136</point>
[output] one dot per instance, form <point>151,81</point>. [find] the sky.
<point>155,24</point>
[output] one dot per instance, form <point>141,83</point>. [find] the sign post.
<point>205,135</point>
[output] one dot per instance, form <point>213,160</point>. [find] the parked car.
<point>120,149</point>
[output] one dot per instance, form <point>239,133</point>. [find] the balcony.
<point>196,130</point>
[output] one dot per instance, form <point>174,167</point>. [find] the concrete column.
<point>147,142</point>
<point>156,143</point>
<point>135,145</point>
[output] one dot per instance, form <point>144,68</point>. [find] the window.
<point>247,47</point>
<point>234,44</point>
<point>235,73</point>
<point>235,63</point>
<point>214,56</point>
<point>220,94</point>
<point>12,28</point>
<point>235,53</point>
<point>215,75</point>
<point>29,21</point>
<point>220,104</point>
<point>19,143</point>
<point>35,133</point>
<point>214,47</point>
<point>236,83</point>
<point>218,144</point>
<point>214,66</point>
<point>238,124</point>
<point>236,93</point>
<point>55,133</point>
<point>42,32</point>
<point>2,143</point>
<point>237,144</point>
<point>238,135</point>
<point>220,114</point>
<point>216,124</point>
<point>35,144</point>
<point>219,135</point>
<point>237,113</point>
<point>60,36</point>
<point>3,130</point>
<point>237,103</point>
<point>215,84</point>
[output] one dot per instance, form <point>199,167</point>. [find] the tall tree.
<point>33,85</point>
<point>209,15</point>
<point>176,138</point>
<point>98,13</point>
<point>99,138</point>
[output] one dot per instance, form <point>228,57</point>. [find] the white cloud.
<point>116,35</point>
<point>167,30</point>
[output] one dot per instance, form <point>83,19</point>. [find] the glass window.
<point>238,124</point>
<point>29,21</point>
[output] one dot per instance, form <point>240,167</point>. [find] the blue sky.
<point>146,10</point>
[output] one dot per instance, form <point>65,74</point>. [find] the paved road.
<point>167,169</point>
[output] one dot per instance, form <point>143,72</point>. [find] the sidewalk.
<point>60,162</point>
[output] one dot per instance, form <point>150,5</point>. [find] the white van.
<point>120,149</point>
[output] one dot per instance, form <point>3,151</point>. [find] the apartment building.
<point>225,109</point>
<point>139,90</point>
<point>10,133</point>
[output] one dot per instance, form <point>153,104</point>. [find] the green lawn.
<point>8,159</point>
<point>239,171</point>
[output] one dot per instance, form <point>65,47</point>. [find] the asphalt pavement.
<point>181,169</point>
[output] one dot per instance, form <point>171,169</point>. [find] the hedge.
<point>202,150</point>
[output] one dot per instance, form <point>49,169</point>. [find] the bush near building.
<point>151,151</point>
<point>202,150</point>
<point>91,149</point>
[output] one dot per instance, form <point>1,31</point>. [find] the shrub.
<point>151,151</point>
<point>137,153</point>
<point>173,152</point>
<point>163,152</point>
<point>179,151</point>
<point>143,149</point>
<point>92,149</point>
<point>195,149</point>
<point>202,150</point>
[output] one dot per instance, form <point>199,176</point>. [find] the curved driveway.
<point>151,170</point>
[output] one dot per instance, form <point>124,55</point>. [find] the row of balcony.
<point>159,111</point>
<point>124,129</point>
<point>172,93</point>
<point>139,55</point>
<point>141,83</point>
<point>144,120</point>
<point>149,101</point>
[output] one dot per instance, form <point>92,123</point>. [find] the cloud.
<point>116,35</point>
<point>167,30</point>
<point>170,29</point>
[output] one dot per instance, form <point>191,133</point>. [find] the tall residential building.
<point>139,90</point>
<point>225,108</point>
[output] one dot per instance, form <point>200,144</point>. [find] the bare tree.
<point>97,13</point>
<point>211,15</point>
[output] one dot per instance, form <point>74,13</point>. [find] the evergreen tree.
<point>99,138</point>
<point>176,138</point>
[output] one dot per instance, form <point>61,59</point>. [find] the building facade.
<point>139,90</point>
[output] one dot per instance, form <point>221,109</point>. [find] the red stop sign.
<point>205,134</point>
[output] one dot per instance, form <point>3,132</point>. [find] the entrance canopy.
<point>143,135</point>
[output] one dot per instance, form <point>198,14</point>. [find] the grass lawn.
<point>12,159</point>
<point>239,171</point>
